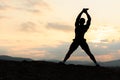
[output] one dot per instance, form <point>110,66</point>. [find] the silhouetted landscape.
<point>114,63</point>
<point>44,70</point>
<point>10,58</point>
<point>59,40</point>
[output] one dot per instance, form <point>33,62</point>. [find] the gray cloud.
<point>37,2</point>
<point>114,46</point>
<point>33,5</point>
<point>54,52</point>
<point>4,17</point>
<point>27,5</point>
<point>60,51</point>
<point>104,41</point>
<point>4,51</point>
<point>3,5</point>
<point>96,48</point>
<point>28,27</point>
<point>105,48</point>
<point>58,26</point>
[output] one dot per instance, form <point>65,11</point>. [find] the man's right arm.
<point>89,19</point>
<point>78,18</point>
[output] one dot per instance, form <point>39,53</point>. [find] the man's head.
<point>82,21</point>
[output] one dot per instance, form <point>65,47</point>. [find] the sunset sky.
<point>44,29</point>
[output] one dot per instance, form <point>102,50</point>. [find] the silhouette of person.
<point>80,30</point>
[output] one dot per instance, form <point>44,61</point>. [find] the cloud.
<point>32,5</point>
<point>37,2</point>
<point>103,33</point>
<point>114,46</point>
<point>28,27</point>
<point>102,51</point>
<point>4,50</point>
<point>59,26</point>
<point>34,54</point>
<point>55,53</point>
<point>3,17</point>
<point>27,5</point>
<point>104,41</point>
<point>2,5</point>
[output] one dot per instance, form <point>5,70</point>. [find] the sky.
<point>44,29</point>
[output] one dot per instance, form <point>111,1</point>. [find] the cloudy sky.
<point>44,29</point>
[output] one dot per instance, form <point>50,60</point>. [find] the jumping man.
<point>80,30</point>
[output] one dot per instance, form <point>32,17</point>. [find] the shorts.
<point>77,40</point>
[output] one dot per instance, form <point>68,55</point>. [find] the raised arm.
<point>78,17</point>
<point>89,18</point>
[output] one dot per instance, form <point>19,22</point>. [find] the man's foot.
<point>61,63</point>
<point>97,65</point>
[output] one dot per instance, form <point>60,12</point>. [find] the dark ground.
<point>41,70</point>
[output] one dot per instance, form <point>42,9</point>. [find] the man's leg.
<point>72,48</point>
<point>85,47</point>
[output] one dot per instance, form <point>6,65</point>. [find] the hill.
<point>10,58</point>
<point>42,70</point>
<point>114,63</point>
